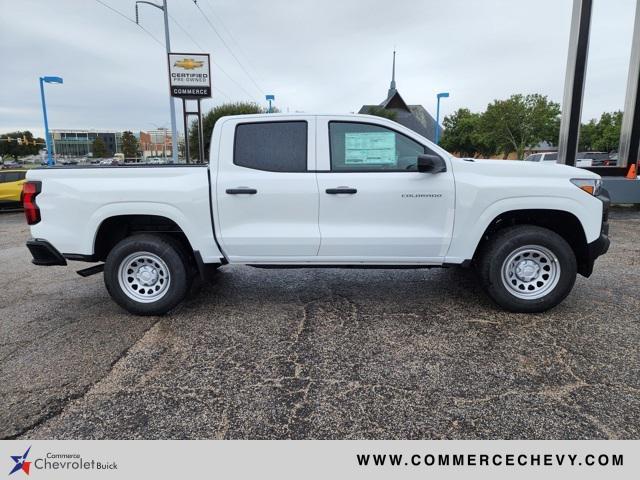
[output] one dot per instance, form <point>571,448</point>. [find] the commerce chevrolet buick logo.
<point>188,64</point>
<point>21,463</point>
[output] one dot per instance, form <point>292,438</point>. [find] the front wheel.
<point>526,268</point>
<point>147,274</point>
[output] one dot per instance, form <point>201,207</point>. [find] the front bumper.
<point>600,246</point>
<point>44,253</point>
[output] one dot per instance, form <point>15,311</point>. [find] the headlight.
<point>590,185</point>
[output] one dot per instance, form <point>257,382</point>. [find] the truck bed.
<point>77,199</point>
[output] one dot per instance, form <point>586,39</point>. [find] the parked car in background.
<point>552,157</point>
<point>10,164</point>
<point>598,159</point>
<point>11,187</point>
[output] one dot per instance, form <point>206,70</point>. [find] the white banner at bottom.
<point>313,459</point>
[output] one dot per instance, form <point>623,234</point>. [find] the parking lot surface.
<point>315,353</point>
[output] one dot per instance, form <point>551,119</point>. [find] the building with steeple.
<point>414,117</point>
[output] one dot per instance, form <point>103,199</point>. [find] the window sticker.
<point>370,148</point>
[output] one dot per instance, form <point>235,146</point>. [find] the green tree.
<point>603,134</point>
<point>99,148</point>
<point>463,134</point>
<point>210,119</point>
<point>588,135</point>
<point>28,144</point>
<point>381,112</point>
<point>520,122</point>
<point>129,145</point>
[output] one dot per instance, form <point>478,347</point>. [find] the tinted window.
<point>2,180</point>
<point>593,155</point>
<point>272,146</point>
<point>13,176</point>
<point>550,157</point>
<point>365,147</point>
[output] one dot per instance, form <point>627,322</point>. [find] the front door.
<point>374,204</point>
<point>267,191</point>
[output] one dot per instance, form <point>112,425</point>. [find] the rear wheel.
<point>147,274</point>
<point>526,268</point>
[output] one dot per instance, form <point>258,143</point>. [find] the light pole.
<point>167,43</point>
<point>270,98</point>
<point>47,137</point>
<point>440,95</point>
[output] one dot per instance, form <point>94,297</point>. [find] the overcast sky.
<point>313,55</point>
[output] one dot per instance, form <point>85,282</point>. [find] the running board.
<point>86,272</point>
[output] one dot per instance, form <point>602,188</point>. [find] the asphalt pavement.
<point>319,353</point>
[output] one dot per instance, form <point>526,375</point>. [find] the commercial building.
<point>156,143</point>
<point>79,143</point>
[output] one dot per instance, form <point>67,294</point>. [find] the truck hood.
<point>511,168</point>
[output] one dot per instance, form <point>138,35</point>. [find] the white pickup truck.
<point>320,191</point>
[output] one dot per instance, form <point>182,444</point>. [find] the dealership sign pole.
<point>190,79</point>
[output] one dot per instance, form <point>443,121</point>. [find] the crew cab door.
<point>266,190</point>
<point>374,204</point>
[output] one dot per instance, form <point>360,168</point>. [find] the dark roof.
<point>414,117</point>
<point>394,100</point>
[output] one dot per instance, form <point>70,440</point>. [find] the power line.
<point>215,30</point>
<point>118,12</point>
<point>231,36</point>
<point>132,21</point>
<point>186,32</point>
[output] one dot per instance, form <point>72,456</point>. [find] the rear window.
<point>550,156</point>
<point>271,146</point>
<point>13,176</point>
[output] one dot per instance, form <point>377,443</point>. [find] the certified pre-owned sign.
<point>189,75</point>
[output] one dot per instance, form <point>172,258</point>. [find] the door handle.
<point>339,190</point>
<point>241,191</point>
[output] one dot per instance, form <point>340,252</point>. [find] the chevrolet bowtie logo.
<point>188,63</point>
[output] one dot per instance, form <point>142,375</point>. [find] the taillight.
<point>29,192</point>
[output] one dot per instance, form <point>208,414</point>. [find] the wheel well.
<point>113,229</point>
<point>563,223</point>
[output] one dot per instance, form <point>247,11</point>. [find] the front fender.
<point>469,228</point>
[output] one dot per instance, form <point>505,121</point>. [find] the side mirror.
<point>429,163</point>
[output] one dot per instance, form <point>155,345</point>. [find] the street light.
<point>44,80</point>
<point>167,44</point>
<point>270,98</point>
<point>440,95</point>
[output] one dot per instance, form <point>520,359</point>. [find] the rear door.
<point>374,204</point>
<point>267,194</point>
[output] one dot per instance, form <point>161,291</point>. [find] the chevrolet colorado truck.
<point>305,191</point>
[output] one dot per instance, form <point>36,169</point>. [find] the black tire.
<point>174,266</point>
<point>506,287</point>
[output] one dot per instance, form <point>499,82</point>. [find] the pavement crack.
<point>59,409</point>
<point>297,386</point>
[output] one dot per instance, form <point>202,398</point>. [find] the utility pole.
<point>167,43</point>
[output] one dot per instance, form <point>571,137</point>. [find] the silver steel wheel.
<point>144,277</point>
<point>530,272</point>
